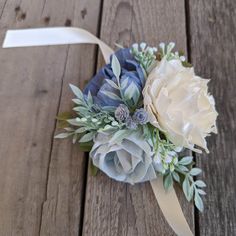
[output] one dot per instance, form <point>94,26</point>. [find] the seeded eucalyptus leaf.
<point>78,93</point>
<point>81,130</point>
<point>168,181</point>
<point>111,95</point>
<point>195,171</point>
<point>186,187</point>
<point>176,176</point>
<point>119,135</point>
<point>200,183</point>
<point>124,83</point>
<point>183,168</point>
<point>115,65</point>
<point>112,83</point>
<point>81,110</point>
<point>198,202</point>
<point>132,92</point>
<point>200,191</point>
<point>74,122</point>
<point>90,99</point>
<point>63,135</point>
<point>78,101</point>
<point>87,137</point>
<point>186,160</point>
<point>190,194</point>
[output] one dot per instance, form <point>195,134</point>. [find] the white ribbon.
<point>53,36</point>
<point>167,201</point>
<point>171,208</point>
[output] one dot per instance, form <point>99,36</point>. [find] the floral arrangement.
<point>138,114</point>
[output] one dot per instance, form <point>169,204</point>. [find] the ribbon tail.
<point>171,208</point>
<point>54,36</point>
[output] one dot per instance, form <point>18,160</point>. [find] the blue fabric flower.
<point>130,69</point>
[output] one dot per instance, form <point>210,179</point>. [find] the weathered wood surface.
<point>113,208</point>
<point>41,179</point>
<point>45,187</point>
<point>212,44</point>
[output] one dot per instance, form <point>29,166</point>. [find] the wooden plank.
<point>34,87</point>
<point>29,93</point>
<point>114,208</point>
<point>65,190</point>
<point>212,44</point>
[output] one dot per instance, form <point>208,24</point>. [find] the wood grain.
<point>41,179</point>
<point>64,201</point>
<point>212,44</point>
<point>114,208</point>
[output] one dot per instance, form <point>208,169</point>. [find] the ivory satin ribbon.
<point>167,201</point>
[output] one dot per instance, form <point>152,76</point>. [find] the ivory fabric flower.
<point>179,104</point>
<point>129,160</point>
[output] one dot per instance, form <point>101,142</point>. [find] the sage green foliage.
<point>129,95</point>
<point>184,174</point>
<point>89,120</point>
<point>145,55</point>
<point>167,52</point>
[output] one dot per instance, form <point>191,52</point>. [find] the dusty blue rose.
<point>130,69</point>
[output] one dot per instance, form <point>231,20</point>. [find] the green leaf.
<point>168,181</point>
<point>176,176</point>
<point>90,99</point>
<point>186,188</point>
<point>81,110</point>
<point>87,137</point>
<point>120,135</point>
<point>81,130</point>
<point>74,122</point>
<point>63,135</point>
<point>186,160</point>
<point>78,101</point>
<point>132,92</point>
<point>198,202</point>
<point>124,83</point>
<point>112,83</point>
<point>200,191</point>
<point>200,183</point>
<point>195,171</point>
<point>115,65</point>
<point>111,95</point>
<point>93,168</point>
<point>77,92</point>
<point>183,168</point>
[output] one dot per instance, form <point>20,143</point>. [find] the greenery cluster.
<point>90,119</point>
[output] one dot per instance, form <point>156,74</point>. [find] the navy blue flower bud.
<point>140,116</point>
<point>130,123</point>
<point>122,112</point>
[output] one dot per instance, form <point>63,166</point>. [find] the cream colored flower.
<point>178,103</point>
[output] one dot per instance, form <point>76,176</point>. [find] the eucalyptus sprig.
<point>184,174</point>
<point>89,119</point>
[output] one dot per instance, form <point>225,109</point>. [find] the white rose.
<point>178,103</point>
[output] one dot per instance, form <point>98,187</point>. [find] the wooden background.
<point>45,184</point>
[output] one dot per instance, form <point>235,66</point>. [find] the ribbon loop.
<point>54,36</point>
